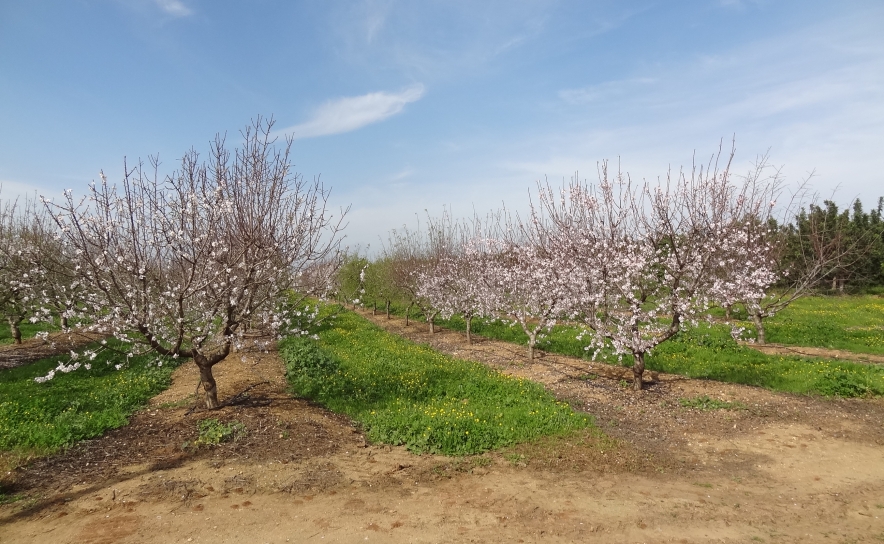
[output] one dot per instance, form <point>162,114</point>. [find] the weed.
<point>173,405</point>
<point>701,484</point>
<point>481,461</point>
<point>514,458</point>
<point>9,499</point>
<point>707,403</point>
<point>213,432</point>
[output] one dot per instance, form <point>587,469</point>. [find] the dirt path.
<point>785,469</point>
<point>32,349</point>
<point>780,349</point>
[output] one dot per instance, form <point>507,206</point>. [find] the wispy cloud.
<point>604,90</point>
<point>175,8</point>
<point>354,112</point>
<point>408,172</point>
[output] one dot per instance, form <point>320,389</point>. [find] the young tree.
<point>351,278</point>
<point>802,254</point>
<point>179,265</point>
<point>529,287</point>
<point>379,285</point>
<point>646,260</point>
<point>16,274</point>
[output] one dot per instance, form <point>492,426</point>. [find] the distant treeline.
<point>827,229</point>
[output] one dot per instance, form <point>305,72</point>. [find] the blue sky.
<point>413,105</point>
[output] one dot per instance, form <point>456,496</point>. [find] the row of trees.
<point>634,263</point>
<point>182,265</point>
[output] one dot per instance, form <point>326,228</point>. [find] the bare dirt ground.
<point>782,469</point>
<point>32,349</point>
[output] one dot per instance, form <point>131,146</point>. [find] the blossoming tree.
<point>646,260</point>
<point>180,265</point>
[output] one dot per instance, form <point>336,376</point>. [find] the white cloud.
<point>408,172</point>
<point>604,91</point>
<point>176,8</point>
<point>354,112</point>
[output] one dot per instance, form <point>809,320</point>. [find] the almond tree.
<point>529,288</point>
<point>802,254</point>
<point>179,265</point>
<point>647,259</point>
<point>434,282</point>
<point>16,272</point>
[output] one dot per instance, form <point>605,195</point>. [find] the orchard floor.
<point>784,469</point>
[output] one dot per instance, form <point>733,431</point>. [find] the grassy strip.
<point>709,352</point>
<point>852,323</point>
<point>408,394</point>
<point>81,404</point>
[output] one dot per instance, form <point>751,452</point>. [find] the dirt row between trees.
<point>34,349</point>
<point>823,353</point>
<point>784,469</point>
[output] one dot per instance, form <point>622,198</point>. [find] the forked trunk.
<point>469,320</point>
<point>761,338</point>
<point>210,388</point>
<point>638,371</point>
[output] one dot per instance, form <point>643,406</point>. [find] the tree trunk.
<point>759,326</point>
<point>374,308</point>
<point>532,340</point>
<point>431,320</point>
<point>64,322</point>
<point>727,312</point>
<point>388,309</point>
<point>407,312</point>
<point>469,320</point>
<point>638,370</point>
<point>210,388</point>
<point>14,330</point>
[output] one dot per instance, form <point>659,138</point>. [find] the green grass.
<point>706,403</point>
<point>81,404</point>
<point>852,323</point>
<point>710,352</point>
<point>408,394</point>
<point>212,432</point>
<point>28,330</point>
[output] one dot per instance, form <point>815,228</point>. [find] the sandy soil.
<point>783,469</point>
